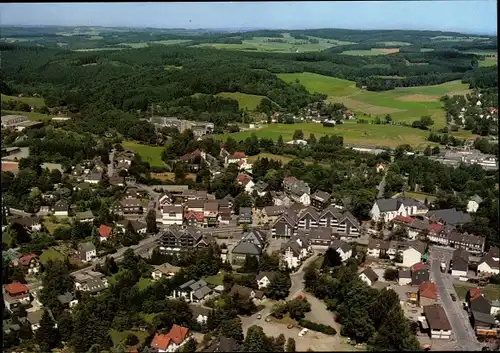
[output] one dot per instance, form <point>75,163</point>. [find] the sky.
<point>477,17</point>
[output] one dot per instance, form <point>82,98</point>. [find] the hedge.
<point>317,327</point>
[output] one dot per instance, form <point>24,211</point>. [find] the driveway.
<point>297,278</point>
<point>458,318</point>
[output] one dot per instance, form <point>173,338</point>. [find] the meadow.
<point>290,45</point>
<point>373,51</point>
<point>162,42</point>
<point>245,101</point>
<point>31,101</point>
<point>357,134</point>
<point>404,104</point>
<point>150,154</point>
<point>33,116</point>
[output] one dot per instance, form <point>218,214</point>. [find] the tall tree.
<point>256,340</point>
<point>290,345</point>
<point>151,221</point>
<point>47,336</point>
<point>279,288</point>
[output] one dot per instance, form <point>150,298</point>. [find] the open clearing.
<point>119,337</point>
<point>162,42</point>
<point>245,101</point>
<point>150,154</point>
<point>395,44</point>
<point>31,101</point>
<point>330,86</point>
<point>404,104</point>
<point>353,133</point>
<point>489,61</point>
<point>373,51</point>
<point>171,176</point>
<point>33,116</point>
<point>51,254</point>
<point>289,44</point>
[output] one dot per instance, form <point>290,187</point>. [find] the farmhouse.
<point>368,276</point>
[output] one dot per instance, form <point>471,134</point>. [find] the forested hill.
<point>132,79</point>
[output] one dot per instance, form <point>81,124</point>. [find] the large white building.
<point>388,209</point>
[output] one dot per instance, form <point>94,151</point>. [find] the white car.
<point>303,332</point>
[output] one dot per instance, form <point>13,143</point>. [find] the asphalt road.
<point>297,277</point>
<point>110,165</point>
<point>458,318</point>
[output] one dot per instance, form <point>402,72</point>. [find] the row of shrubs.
<point>317,327</point>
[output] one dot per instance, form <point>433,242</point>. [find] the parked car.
<point>259,317</point>
<point>290,326</point>
<point>453,297</point>
<point>303,332</point>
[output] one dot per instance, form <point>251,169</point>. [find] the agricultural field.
<point>330,86</point>
<point>373,51</point>
<point>31,101</point>
<point>98,49</point>
<point>405,104</point>
<point>150,154</point>
<point>162,42</point>
<point>291,45</point>
<point>245,101</point>
<point>395,44</point>
<point>33,116</point>
<point>489,61</point>
<point>171,176</point>
<point>353,133</point>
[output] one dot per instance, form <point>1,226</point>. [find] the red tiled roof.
<point>290,180</point>
<point>25,260</point>
<point>428,290</point>
<point>435,227</point>
<point>238,155</point>
<point>104,231</point>
<point>418,266</point>
<point>240,163</point>
<point>243,178</point>
<point>198,216</point>
<point>10,167</point>
<point>15,288</point>
<point>403,219</point>
<point>177,334</point>
<point>474,293</point>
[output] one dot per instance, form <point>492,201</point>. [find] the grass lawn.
<point>491,291</point>
<point>248,101</point>
<point>353,133</point>
<point>162,42</point>
<point>50,226</point>
<point>143,283</point>
<point>282,159</point>
<point>148,317</point>
<point>6,238</point>
<point>33,116</point>
<point>51,254</point>
<point>150,154</point>
<point>118,336</point>
<point>417,196</point>
<point>215,280</point>
<point>32,101</point>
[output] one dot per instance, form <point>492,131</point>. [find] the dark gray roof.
<point>187,284</point>
<point>320,233</point>
<point>404,274</point>
<point>482,318</point>
<point>65,298</point>
<point>269,275</point>
<point>480,304</point>
<point>95,285</point>
<point>260,186</point>
<point>476,198</point>
<point>459,264</point>
<point>84,215</point>
<point>61,205</point>
<point>245,211</point>
<point>419,277</point>
<point>202,292</point>
<point>247,248</point>
<point>386,205</point>
<point>339,244</point>
<point>223,344</point>
<point>378,244</point>
<point>199,310</point>
<point>272,211</point>
<point>450,216</point>
<point>419,246</point>
<point>87,246</point>
<point>321,196</point>
<point>372,276</point>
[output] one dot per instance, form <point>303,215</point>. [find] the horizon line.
<point>258,28</point>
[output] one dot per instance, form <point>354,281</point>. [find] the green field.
<point>370,52</point>
<point>330,86</point>
<point>163,42</point>
<point>51,254</point>
<point>489,61</point>
<point>150,154</point>
<point>119,336</point>
<point>31,101</point>
<point>353,133</point>
<point>491,291</point>
<point>143,283</point>
<point>248,101</point>
<point>33,116</point>
<point>405,104</point>
<point>215,280</point>
<point>291,45</point>
<point>282,159</point>
<point>395,44</point>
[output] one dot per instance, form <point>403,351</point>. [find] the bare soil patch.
<point>418,98</point>
<point>389,50</point>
